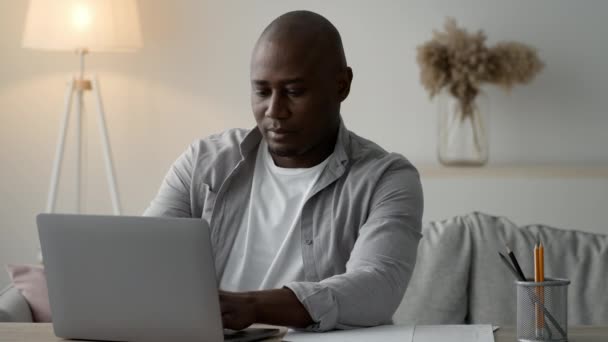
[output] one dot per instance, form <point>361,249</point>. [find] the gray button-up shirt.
<point>360,225</point>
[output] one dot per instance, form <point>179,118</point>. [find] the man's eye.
<point>262,92</point>
<point>295,92</point>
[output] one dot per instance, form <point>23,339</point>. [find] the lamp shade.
<point>95,25</point>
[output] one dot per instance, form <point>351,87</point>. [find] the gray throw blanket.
<point>459,277</point>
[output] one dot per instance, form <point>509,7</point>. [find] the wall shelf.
<point>431,171</point>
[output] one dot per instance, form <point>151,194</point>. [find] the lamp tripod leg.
<point>106,148</point>
<point>56,172</point>
<point>78,173</point>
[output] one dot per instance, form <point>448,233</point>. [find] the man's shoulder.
<point>230,138</point>
<point>211,159</point>
<point>368,154</point>
<point>223,149</point>
<point>224,143</point>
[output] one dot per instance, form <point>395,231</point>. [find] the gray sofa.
<point>459,278</point>
<point>13,307</point>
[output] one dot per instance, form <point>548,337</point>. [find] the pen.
<point>522,277</point>
<point>504,259</point>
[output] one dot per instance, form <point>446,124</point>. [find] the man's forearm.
<point>280,307</point>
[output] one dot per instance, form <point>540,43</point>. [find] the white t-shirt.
<point>267,251</point>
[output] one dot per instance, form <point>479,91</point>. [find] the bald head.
<point>299,78</point>
<point>306,32</point>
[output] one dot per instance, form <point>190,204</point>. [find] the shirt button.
<point>308,242</point>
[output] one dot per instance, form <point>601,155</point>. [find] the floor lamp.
<point>82,26</point>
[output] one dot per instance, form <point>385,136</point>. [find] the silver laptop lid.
<point>124,278</point>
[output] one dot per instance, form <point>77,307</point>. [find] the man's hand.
<point>238,309</point>
<point>276,307</point>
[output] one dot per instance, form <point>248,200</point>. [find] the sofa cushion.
<point>30,280</point>
<point>13,306</point>
<point>438,290</point>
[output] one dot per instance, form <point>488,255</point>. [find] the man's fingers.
<point>235,313</point>
<point>230,321</point>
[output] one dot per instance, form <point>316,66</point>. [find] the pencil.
<point>537,312</point>
<point>541,274</point>
<point>541,262</point>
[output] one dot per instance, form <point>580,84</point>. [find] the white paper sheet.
<point>454,333</point>
<point>388,333</point>
<point>400,333</point>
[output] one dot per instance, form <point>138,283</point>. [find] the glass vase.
<point>463,139</point>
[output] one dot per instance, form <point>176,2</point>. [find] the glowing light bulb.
<point>81,17</point>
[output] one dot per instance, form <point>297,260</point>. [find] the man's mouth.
<point>279,134</point>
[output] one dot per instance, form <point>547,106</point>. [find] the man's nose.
<point>277,108</point>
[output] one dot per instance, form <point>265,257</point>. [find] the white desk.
<point>43,332</point>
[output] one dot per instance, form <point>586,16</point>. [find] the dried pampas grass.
<point>461,61</point>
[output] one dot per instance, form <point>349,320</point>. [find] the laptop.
<point>120,278</point>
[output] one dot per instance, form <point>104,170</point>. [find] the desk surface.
<point>43,332</point>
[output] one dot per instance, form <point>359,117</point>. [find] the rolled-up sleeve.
<point>380,264</point>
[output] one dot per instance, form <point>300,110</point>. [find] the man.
<point>312,226</point>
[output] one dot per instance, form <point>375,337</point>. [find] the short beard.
<point>285,153</point>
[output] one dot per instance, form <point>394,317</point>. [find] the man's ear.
<point>344,81</point>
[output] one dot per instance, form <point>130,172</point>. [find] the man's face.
<point>295,100</point>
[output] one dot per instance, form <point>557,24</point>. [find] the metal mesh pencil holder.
<point>542,310</point>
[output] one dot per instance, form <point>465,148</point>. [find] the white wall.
<point>191,79</point>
